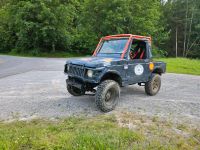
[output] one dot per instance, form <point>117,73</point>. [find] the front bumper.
<point>75,83</point>
<point>81,84</point>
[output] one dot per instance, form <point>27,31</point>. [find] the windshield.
<point>113,46</point>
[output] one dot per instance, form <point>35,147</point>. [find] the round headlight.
<point>90,73</point>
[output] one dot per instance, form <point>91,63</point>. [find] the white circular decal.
<point>139,69</point>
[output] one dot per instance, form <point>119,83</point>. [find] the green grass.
<point>100,132</point>
<point>182,65</point>
<point>71,133</point>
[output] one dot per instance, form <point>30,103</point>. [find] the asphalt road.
<point>35,87</point>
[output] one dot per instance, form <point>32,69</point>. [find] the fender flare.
<point>158,70</point>
<point>113,75</point>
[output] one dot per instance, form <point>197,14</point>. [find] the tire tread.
<point>148,85</point>
<point>98,95</point>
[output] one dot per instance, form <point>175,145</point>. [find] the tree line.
<point>182,19</point>
<point>35,26</point>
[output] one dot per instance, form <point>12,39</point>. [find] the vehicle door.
<point>138,67</point>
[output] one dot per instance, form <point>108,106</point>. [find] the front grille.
<point>76,70</point>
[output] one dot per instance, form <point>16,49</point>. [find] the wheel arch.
<point>112,75</point>
<point>158,70</point>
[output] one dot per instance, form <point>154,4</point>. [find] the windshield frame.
<point>119,36</point>
<point>118,39</point>
<point>99,46</point>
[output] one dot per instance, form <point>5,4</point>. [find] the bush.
<point>159,53</point>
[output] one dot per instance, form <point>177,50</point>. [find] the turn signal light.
<point>151,66</point>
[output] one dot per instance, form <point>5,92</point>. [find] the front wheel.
<point>152,87</point>
<point>107,95</point>
<point>74,91</point>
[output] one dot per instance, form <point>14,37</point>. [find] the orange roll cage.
<point>118,36</point>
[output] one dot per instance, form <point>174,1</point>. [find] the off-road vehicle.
<point>118,61</point>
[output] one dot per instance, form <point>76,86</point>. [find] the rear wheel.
<point>107,95</point>
<point>74,91</point>
<point>152,87</point>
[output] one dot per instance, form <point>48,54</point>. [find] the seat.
<point>138,52</point>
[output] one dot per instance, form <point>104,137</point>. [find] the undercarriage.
<point>81,85</point>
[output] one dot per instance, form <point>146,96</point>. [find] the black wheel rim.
<point>156,85</point>
<point>110,96</point>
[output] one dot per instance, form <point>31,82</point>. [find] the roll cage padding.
<point>135,56</point>
<point>142,54</point>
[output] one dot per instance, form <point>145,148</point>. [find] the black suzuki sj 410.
<point>119,60</point>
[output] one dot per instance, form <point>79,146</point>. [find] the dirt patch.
<point>161,129</point>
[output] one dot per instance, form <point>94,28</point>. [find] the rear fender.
<point>160,68</point>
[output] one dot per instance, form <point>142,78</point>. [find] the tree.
<point>40,25</point>
<point>182,15</point>
<point>34,26</point>
<point>105,17</point>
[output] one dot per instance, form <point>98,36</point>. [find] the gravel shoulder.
<point>35,87</point>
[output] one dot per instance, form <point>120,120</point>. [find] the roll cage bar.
<point>118,36</point>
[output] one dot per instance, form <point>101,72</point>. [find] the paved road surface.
<point>35,87</point>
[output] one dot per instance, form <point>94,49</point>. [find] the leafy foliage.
<point>107,17</point>
<point>49,26</point>
<point>34,26</point>
<point>37,26</point>
<point>182,16</point>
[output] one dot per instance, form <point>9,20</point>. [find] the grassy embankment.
<point>182,65</point>
<point>119,131</point>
